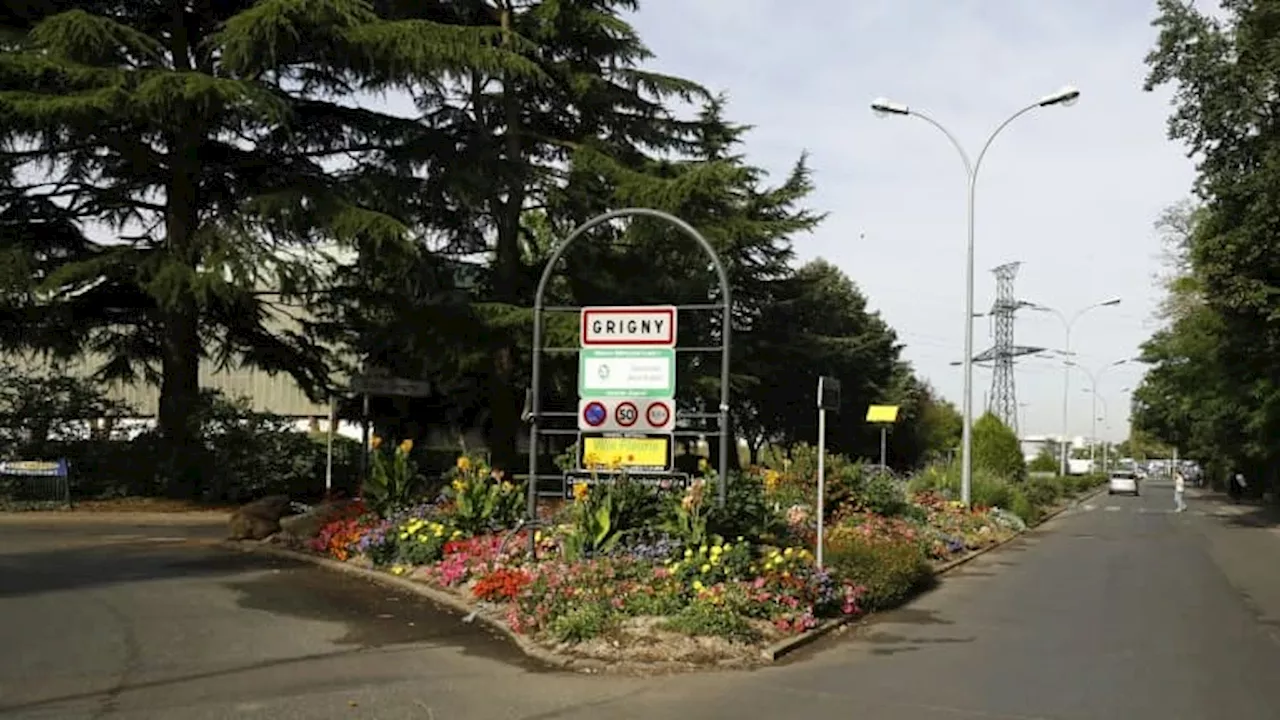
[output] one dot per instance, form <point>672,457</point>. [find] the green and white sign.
<point>627,372</point>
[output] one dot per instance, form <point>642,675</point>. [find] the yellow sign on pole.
<point>652,453</point>
<point>882,414</point>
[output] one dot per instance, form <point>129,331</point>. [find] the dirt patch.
<point>642,646</point>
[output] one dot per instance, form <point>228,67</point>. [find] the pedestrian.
<point>1236,485</point>
<point>1179,487</point>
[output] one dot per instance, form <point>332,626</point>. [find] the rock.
<point>302,527</point>
<point>259,519</point>
<point>308,525</point>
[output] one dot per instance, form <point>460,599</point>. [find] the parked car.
<point>1122,482</point>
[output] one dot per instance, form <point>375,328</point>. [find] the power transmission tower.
<point>1003,401</point>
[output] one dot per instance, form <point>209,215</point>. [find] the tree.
<point>817,325</point>
<point>178,159</point>
<point>503,145</point>
<point>1216,384</point>
<point>1044,461</point>
<point>928,426</point>
<point>996,449</point>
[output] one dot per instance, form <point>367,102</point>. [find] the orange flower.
<point>375,442</point>
<point>406,446</point>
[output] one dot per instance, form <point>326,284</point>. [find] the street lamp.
<point>1067,324</point>
<point>884,108</point>
<point>1093,389</point>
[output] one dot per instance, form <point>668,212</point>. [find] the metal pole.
<point>966,434</point>
<point>884,446</point>
<point>1066,401</point>
<point>822,479</point>
<point>1093,425</point>
<point>328,460</point>
<point>364,435</point>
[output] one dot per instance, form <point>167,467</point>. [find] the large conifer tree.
<point>177,158</point>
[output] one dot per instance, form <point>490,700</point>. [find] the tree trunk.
<point>504,398</point>
<point>181,468</point>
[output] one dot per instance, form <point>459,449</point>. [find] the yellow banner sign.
<point>629,453</point>
<point>882,414</point>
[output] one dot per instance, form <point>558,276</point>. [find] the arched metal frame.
<point>725,306</point>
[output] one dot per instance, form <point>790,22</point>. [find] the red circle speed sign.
<point>658,414</point>
<point>626,414</point>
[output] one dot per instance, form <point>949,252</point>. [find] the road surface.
<point>1118,609</point>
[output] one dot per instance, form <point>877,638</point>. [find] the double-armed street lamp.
<point>1069,322</point>
<point>1094,377</point>
<point>1066,96</point>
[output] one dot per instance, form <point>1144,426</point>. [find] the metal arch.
<point>726,329</point>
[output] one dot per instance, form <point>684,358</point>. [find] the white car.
<point>1122,482</point>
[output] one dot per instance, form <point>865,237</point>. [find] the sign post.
<point>828,399</point>
<point>884,416</point>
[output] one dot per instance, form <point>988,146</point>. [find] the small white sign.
<point>627,372</point>
<point>629,326</point>
<point>627,415</point>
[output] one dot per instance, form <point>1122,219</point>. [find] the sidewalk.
<point>1243,539</point>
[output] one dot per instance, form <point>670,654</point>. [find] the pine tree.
<point>179,158</point>
<point>498,146</point>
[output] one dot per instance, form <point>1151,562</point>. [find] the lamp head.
<point>883,107</point>
<point>1109,303</point>
<point>1066,96</point>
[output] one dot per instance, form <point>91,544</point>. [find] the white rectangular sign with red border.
<point>627,415</point>
<point>651,326</point>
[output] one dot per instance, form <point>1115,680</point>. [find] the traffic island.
<point>624,577</point>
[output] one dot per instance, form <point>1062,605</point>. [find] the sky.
<point>1070,192</point>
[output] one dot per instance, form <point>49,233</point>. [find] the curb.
<point>416,588</point>
<point>782,647</point>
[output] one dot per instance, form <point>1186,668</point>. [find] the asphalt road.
<point>1118,609</point>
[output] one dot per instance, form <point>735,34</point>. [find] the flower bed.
<point>625,572</point>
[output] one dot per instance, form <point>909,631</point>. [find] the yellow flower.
<point>581,491</point>
<point>697,585</point>
<point>537,536</point>
<point>507,487</point>
<point>375,442</point>
<point>460,485</point>
<point>702,464</point>
<point>789,552</point>
<point>688,554</point>
<point>464,463</point>
<point>398,570</point>
<point>455,534</point>
<point>771,478</point>
<point>705,568</point>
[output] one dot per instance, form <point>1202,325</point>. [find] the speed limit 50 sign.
<point>638,414</point>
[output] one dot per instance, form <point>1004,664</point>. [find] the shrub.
<point>1044,462</point>
<point>710,618</point>
<point>890,569</point>
<point>747,510</point>
<point>987,489</point>
<point>996,449</point>
<point>1026,510</point>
